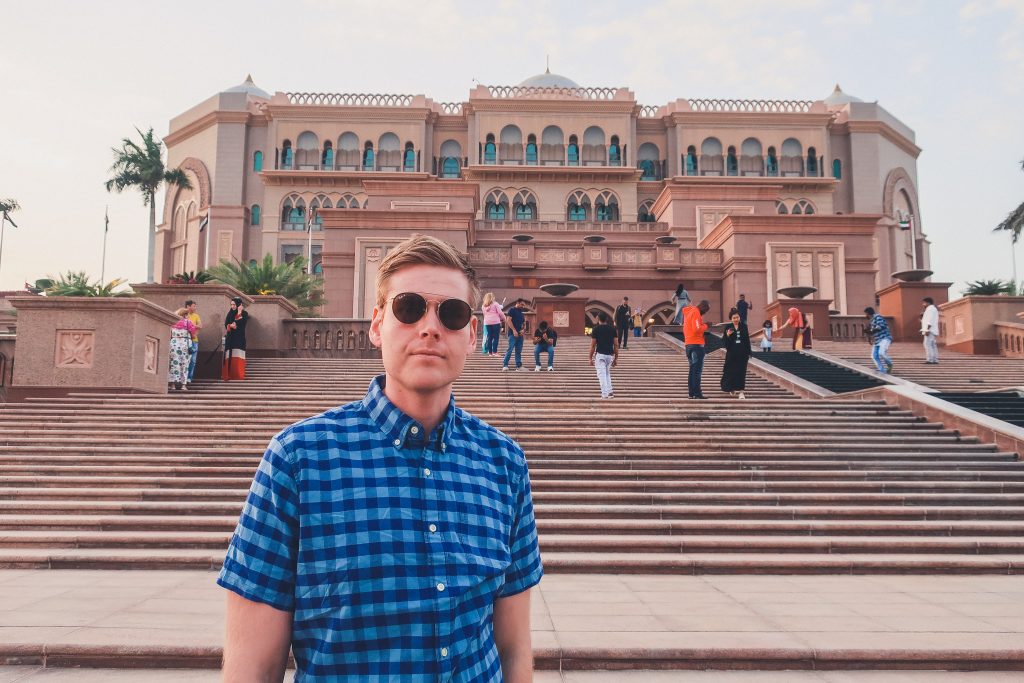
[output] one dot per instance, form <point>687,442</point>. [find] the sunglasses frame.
<point>426,308</point>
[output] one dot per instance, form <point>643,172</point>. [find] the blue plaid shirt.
<point>879,328</point>
<point>388,545</point>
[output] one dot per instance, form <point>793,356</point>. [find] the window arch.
<point>525,206</point>
<point>348,201</point>
<point>287,155</point>
<point>293,213</point>
<point>349,157</point>
<point>369,158</point>
<point>691,160</point>
<point>496,206</point>
<point>803,207</point>
<point>791,163</point>
<point>510,151</point>
<point>389,153</point>
<point>751,147</point>
<point>731,162</point>
<point>606,207</point>
<point>572,153</point>
<point>327,156</point>
<point>578,206</point>
<point>308,151</point>
<point>751,159</point>
<point>648,157</point>
<point>593,147</point>
<point>781,208</point>
<point>645,212</point>
<point>257,161</point>
<point>711,162</point>
<point>451,159</point>
<point>837,169</point>
<point>614,152</point>
<point>254,215</point>
<point>178,228</point>
<point>772,162</point>
<point>490,150</point>
<point>552,146</point>
<point>531,150</point>
<point>409,158</point>
<point>319,202</point>
<point>711,146</point>
<point>812,162</point>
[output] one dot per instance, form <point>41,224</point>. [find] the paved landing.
<point>577,619</point>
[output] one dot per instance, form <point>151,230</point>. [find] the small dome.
<point>549,80</point>
<point>250,88</point>
<point>838,98</point>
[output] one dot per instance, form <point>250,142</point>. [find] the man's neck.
<point>426,408</point>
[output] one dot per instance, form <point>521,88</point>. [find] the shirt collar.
<point>401,430</point>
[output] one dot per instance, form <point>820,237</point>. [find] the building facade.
<point>548,182</point>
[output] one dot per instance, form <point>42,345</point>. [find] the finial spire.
<point>547,67</point>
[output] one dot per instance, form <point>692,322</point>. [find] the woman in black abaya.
<point>736,340</point>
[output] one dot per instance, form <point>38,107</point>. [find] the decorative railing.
<point>752,106</point>
<point>350,99</point>
<point>587,227</point>
<point>1011,339</point>
<point>509,91</point>
<point>648,111</point>
<point>328,338</point>
<point>450,107</point>
<point>851,327</point>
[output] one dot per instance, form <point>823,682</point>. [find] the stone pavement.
<point>73,617</point>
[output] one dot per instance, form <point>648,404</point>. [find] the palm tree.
<point>989,288</point>
<point>289,280</point>
<point>141,166</point>
<point>1014,221</point>
<point>6,206</point>
<point>77,283</point>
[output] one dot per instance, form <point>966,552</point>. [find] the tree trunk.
<point>152,238</point>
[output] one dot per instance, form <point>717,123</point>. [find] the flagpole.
<point>209,232</point>
<point>3,224</point>
<point>309,244</point>
<point>106,228</point>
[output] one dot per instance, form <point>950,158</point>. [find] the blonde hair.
<point>430,251</point>
<point>181,312</point>
<point>488,299</point>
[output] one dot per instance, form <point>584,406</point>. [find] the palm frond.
<point>1013,223</point>
<point>265,277</point>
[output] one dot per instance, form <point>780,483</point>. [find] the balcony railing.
<point>531,154</point>
<point>584,227</point>
<point>752,165</point>
<point>387,161</point>
<point>1011,339</point>
<point>329,337</point>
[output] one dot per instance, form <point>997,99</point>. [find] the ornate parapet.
<point>328,338</point>
<point>1009,336</point>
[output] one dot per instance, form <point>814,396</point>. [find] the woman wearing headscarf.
<point>681,299</point>
<point>736,340</point>
<point>801,329</point>
<point>234,341</point>
<point>180,350</point>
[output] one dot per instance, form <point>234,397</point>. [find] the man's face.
<point>424,356</point>
<point>191,308</point>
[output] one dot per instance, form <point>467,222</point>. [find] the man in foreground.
<point>694,328</point>
<point>393,538</point>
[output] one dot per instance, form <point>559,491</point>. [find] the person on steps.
<point>736,339</point>
<point>515,323</point>
<point>681,299</point>
<point>180,350</point>
<point>234,341</point>
<point>930,330</point>
<point>881,338</point>
<point>544,339</point>
<point>623,316</point>
<point>766,338</point>
<point>392,538</point>
<point>801,325</point>
<point>694,328</point>
<point>493,317</point>
<point>604,352</point>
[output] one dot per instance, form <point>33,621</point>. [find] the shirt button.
<point>440,588</point>
<point>398,442</point>
<point>426,472</point>
<point>444,652</point>
<point>415,429</point>
<point>444,446</point>
<point>433,528</point>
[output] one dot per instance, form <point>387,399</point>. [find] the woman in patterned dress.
<point>180,350</point>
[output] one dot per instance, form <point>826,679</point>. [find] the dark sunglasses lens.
<point>409,307</point>
<point>454,313</point>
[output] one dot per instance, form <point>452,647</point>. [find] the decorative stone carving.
<point>373,254</point>
<point>151,355</point>
<point>522,253</point>
<point>805,269</point>
<point>560,318</point>
<point>783,269</point>
<point>75,348</point>
<point>224,243</point>
<point>595,254</point>
<point>668,254</point>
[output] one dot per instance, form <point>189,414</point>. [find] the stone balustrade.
<point>328,338</point>
<point>1010,337</point>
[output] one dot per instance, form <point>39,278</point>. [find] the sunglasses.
<point>410,307</point>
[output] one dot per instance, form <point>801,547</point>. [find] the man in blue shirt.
<point>881,338</point>
<point>393,538</point>
<point>515,321</point>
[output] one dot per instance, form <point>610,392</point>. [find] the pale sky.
<point>77,77</point>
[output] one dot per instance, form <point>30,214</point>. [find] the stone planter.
<point>67,344</point>
<point>969,324</point>
<point>265,334</point>
<point>213,300</point>
<point>902,302</point>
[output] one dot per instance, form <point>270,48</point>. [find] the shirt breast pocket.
<point>481,552</point>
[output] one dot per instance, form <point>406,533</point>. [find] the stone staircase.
<point>648,482</point>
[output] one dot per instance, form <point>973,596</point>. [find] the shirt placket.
<point>434,531</point>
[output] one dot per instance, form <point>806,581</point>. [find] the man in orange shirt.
<point>694,328</point>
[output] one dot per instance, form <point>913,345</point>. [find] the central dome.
<point>549,80</point>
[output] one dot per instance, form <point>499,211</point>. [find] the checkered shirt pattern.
<point>389,547</point>
<point>880,328</point>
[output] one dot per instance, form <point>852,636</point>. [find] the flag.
<point>205,222</point>
<point>905,223</point>
<point>312,218</point>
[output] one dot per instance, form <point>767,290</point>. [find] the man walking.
<point>604,352</point>
<point>190,313</point>
<point>930,330</point>
<point>622,317</point>
<point>515,322</point>
<point>392,538</point>
<point>742,307</point>
<point>544,339</point>
<point>881,338</point>
<point>694,328</point>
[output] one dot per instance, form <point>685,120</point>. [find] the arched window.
<point>751,161</point>
<point>308,153</point>
<point>531,150</point>
<point>257,161</point>
<point>510,151</point>
<point>593,147</point>
<point>780,207</point>
<point>525,206</point>
<point>648,161</point>
<point>287,155</point>
<point>178,228</point>
<point>349,156</point>
<point>691,160</point>
<point>578,206</point>
<point>645,212</point>
<point>812,162</point>
<point>711,162</point>
<point>606,207</point>
<point>614,152</point>
<point>792,162</point>
<point>451,155</point>
<point>490,150</point>
<point>803,206</point>
<point>327,157</point>
<point>409,161</point>
<point>254,215</point>
<point>772,163</point>
<point>389,153</point>
<point>348,201</point>
<point>837,169</point>
<point>731,162</point>
<point>573,151</point>
<point>369,160</point>
<point>320,201</point>
<point>552,146</point>
<point>293,213</point>
<point>496,206</point>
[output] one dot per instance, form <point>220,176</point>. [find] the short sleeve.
<point>525,571</point>
<point>260,562</point>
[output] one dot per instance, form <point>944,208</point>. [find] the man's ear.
<point>472,335</point>
<point>376,318</point>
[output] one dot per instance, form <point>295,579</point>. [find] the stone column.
<point>902,302</point>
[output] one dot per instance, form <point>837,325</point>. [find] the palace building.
<point>548,181</point>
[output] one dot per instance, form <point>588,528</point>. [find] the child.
<point>766,340</point>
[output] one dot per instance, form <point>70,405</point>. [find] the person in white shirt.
<point>930,330</point>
